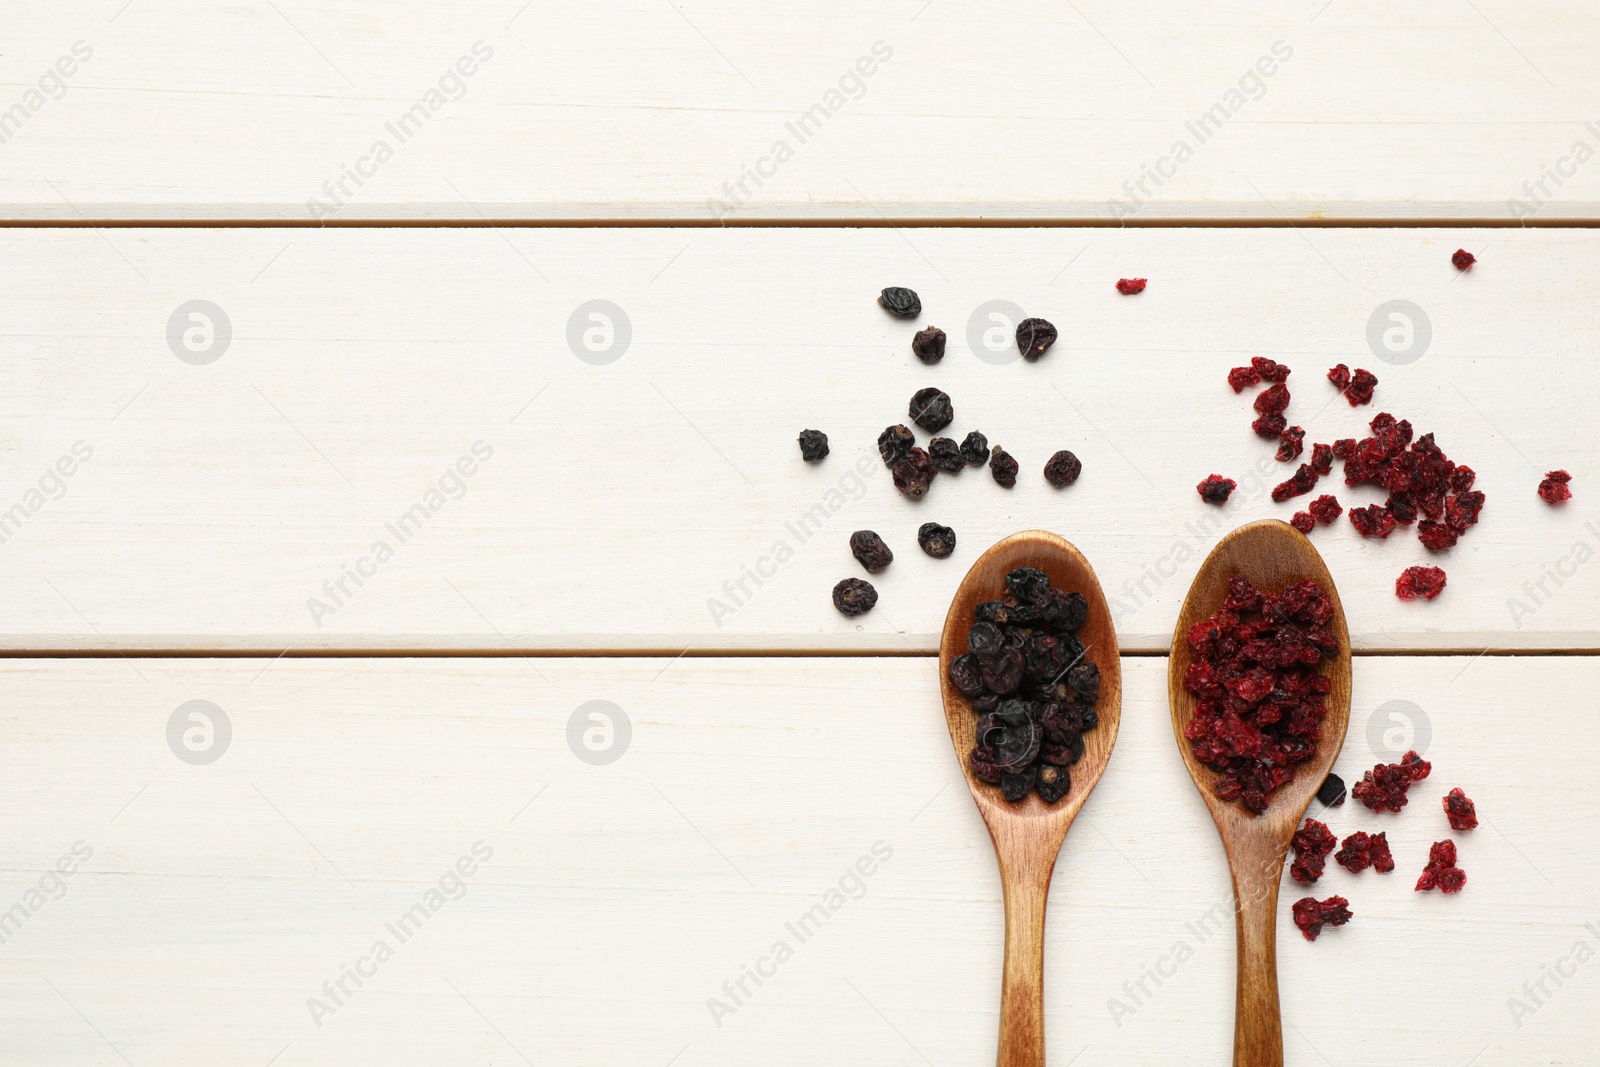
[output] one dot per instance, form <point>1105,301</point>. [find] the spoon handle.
<point>1027,887</point>
<point>1257,1025</point>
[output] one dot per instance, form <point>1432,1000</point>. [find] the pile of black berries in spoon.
<point>1032,685</point>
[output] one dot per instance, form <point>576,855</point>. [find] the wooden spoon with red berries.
<point>1274,556</point>
<point>1027,835</point>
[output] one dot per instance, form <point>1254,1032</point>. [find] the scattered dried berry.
<point>1374,520</point>
<point>1325,508</point>
<point>1242,378</point>
<point>1311,915</point>
<point>1270,426</point>
<point>1384,787</point>
<point>1339,375</point>
<point>1003,466</point>
<point>1359,391</point>
<point>1131,286</point>
<point>946,454</point>
<point>1312,843</point>
<point>895,444</point>
<point>937,541</point>
<point>1441,872</point>
<point>854,597</point>
<point>1062,469</point>
<point>1463,259</point>
<point>1331,793</point>
<point>813,445</point>
<point>1299,483</point>
<point>931,409</point>
<point>870,551</point>
<point>1554,488</point>
<point>1361,851</point>
<point>901,303</point>
<point>1291,442</point>
<point>1269,370</point>
<point>1216,489</point>
<point>1261,698</point>
<point>1425,582</point>
<point>913,474</point>
<point>975,449</point>
<point>1034,338</point>
<point>1302,521</point>
<point>1272,400</point>
<point>1460,810</point>
<point>928,344</point>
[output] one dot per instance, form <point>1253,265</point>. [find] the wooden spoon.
<point>1027,836</point>
<point>1273,555</point>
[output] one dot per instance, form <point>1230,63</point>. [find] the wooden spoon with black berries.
<point>1032,696</point>
<point>1259,683</point>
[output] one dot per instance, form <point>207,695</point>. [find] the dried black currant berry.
<point>1014,787</point>
<point>1054,782</point>
<point>1034,338</point>
<point>894,444</point>
<point>946,454</point>
<point>937,541</point>
<point>813,445</point>
<point>854,597</point>
<point>1063,469</point>
<point>931,409</point>
<point>901,303</point>
<point>870,551</point>
<point>928,344</point>
<point>1029,585</point>
<point>1003,467</point>
<point>913,474</point>
<point>975,449</point>
<point>1332,791</point>
<point>965,676</point>
<point>985,638</point>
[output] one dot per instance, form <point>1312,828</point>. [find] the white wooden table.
<point>397,219</point>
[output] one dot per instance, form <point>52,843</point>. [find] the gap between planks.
<point>1275,223</point>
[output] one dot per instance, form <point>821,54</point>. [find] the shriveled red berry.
<point>1437,536</point>
<point>1361,850</point>
<point>1359,391</point>
<point>1554,489</point>
<point>1322,458</point>
<point>1311,915</point>
<point>1269,426</point>
<point>1325,508</point>
<point>1441,872</point>
<point>1339,375</point>
<point>1302,521</point>
<point>1297,484</point>
<point>1215,489</point>
<point>1273,400</point>
<point>1131,286</point>
<point>1384,787</point>
<point>1291,442</point>
<point>1270,370</point>
<point>1312,843</point>
<point>1414,582</point>
<point>1463,259</point>
<point>1460,810</point>
<point>1242,378</point>
<point>1374,520</point>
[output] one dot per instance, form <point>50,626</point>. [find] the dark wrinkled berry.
<point>1053,782</point>
<point>1414,582</point>
<point>1312,843</point>
<point>1062,469</point>
<point>928,344</point>
<point>1554,489</point>
<point>1311,915</point>
<point>1029,585</point>
<point>870,551</point>
<point>931,409</point>
<point>1291,442</point>
<point>1331,793</point>
<point>965,674</point>
<point>894,444</point>
<point>937,541</point>
<point>813,445</point>
<point>1463,260</point>
<point>1384,787</point>
<point>913,474</point>
<point>1016,786</point>
<point>1216,489</point>
<point>1460,810</point>
<point>975,449</point>
<point>1003,467</point>
<point>1131,286</point>
<point>1034,338</point>
<point>854,597</point>
<point>1242,378</point>
<point>946,454</point>
<point>901,303</point>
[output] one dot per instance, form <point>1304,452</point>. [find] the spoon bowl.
<point>1027,836</point>
<point>1273,555</point>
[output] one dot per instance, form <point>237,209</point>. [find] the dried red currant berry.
<point>1062,469</point>
<point>1360,851</point>
<point>1554,488</point>
<point>1425,582</point>
<point>1291,442</point>
<point>1302,521</point>
<point>1272,400</point>
<point>1441,872</point>
<point>899,302</point>
<point>913,474</point>
<point>854,597</point>
<point>1344,448</point>
<point>1003,467</point>
<point>1450,880</point>
<point>1312,843</point>
<point>1322,458</point>
<point>1034,338</point>
<point>975,449</point>
<point>1463,260</point>
<point>895,444</point>
<point>1311,915</point>
<point>1460,810</point>
<point>1339,375</point>
<point>946,454</point>
<point>1331,793</point>
<point>1269,370</point>
<point>1384,787</point>
<point>928,344</point>
<point>1242,378</point>
<point>870,551</point>
<point>1269,426</point>
<point>1359,391</point>
<point>813,445</point>
<point>1297,484</point>
<point>1216,489</point>
<point>937,541</point>
<point>1131,286</point>
<point>1374,520</point>
<point>1325,508</point>
<point>1436,536</point>
<point>931,409</point>
<point>1378,848</point>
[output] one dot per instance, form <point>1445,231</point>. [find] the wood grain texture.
<point>632,110</point>
<point>1274,556</point>
<point>631,505</point>
<point>1027,836</point>
<point>618,902</point>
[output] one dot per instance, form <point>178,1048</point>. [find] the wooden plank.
<point>634,110</point>
<point>619,898</point>
<point>623,505</point>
